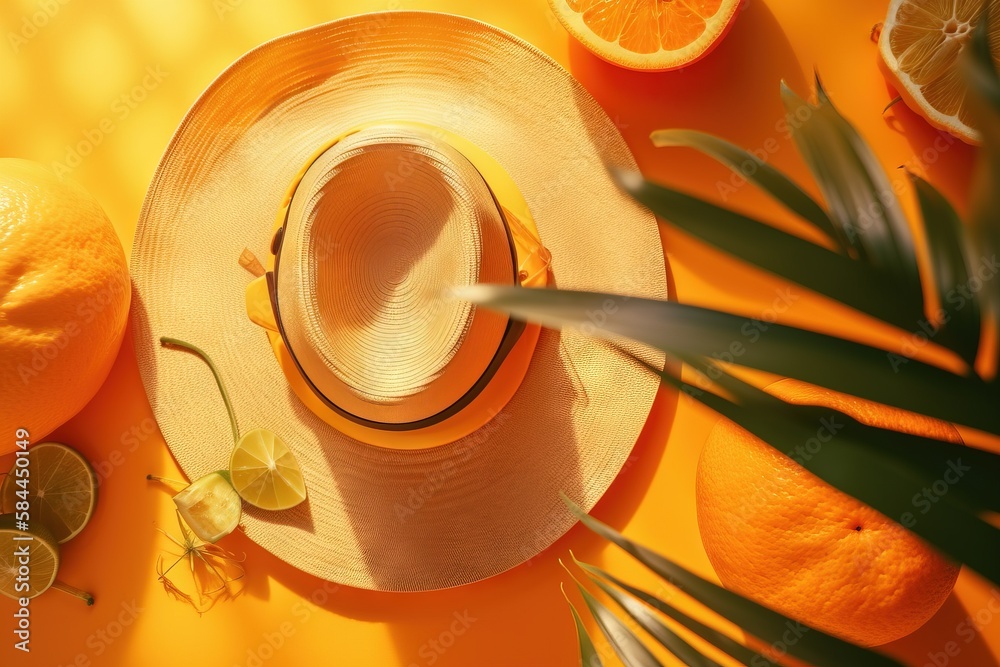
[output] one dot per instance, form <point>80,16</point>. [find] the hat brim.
<point>378,518</point>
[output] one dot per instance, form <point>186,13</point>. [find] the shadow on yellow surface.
<point>98,87</point>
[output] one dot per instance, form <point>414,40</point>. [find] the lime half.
<point>210,506</point>
<point>60,488</point>
<point>39,549</point>
<point>265,473</point>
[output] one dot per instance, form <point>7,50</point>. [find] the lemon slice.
<point>921,43</point>
<point>265,473</point>
<point>210,506</point>
<point>42,558</point>
<point>60,488</point>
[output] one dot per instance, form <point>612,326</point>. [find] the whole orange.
<point>64,299</point>
<point>778,534</point>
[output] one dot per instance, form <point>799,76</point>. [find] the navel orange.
<point>64,298</point>
<point>920,45</point>
<point>652,35</point>
<point>776,533</point>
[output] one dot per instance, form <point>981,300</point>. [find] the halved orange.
<point>921,43</point>
<point>652,35</point>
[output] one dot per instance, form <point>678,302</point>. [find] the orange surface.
<point>800,546</point>
<point>114,77</point>
<point>62,329</point>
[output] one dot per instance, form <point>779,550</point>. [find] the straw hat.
<point>304,228</point>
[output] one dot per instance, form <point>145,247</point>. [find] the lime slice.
<point>42,558</point>
<point>60,488</point>
<point>210,506</point>
<point>265,473</point>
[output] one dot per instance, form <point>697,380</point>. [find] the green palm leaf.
<point>811,645</point>
<point>814,267</point>
<point>858,193</point>
<point>631,651</point>
<point>776,184</point>
<point>655,627</point>
<point>588,654</point>
<point>718,639</point>
<point>838,364</point>
<point>984,82</point>
<point>952,266</point>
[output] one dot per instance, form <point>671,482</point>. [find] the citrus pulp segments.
<point>43,558</point>
<point>651,35</point>
<point>210,507</point>
<point>265,472</point>
<point>920,46</point>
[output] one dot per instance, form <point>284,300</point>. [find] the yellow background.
<point>65,84</point>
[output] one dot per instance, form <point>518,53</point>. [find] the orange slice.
<point>920,45</point>
<point>655,35</point>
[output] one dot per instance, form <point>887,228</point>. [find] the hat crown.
<point>384,223</point>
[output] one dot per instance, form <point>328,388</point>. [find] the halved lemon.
<point>265,473</point>
<point>26,575</point>
<point>654,35</point>
<point>60,488</point>
<point>920,45</point>
<point>210,506</point>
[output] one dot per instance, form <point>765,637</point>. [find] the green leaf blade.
<point>647,620</point>
<point>772,181</point>
<point>718,639</point>
<point>858,193</point>
<point>812,266</point>
<point>631,651</point>
<point>983,100</point>
<point>950,258</point>
<point>588,654</point>
<point>814,646</point>
<point>841,365</point>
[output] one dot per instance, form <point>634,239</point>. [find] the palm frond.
<point>953,266</point>
<point>718,639</point>
<point>588,654</point>
<point>828,361</point>
<point>780,187</point>
<point>812,645</point>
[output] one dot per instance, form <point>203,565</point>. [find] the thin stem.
<point>218,379</point>
<point>165,480</point>
<point>75,592</point>
<point>896,100</point>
